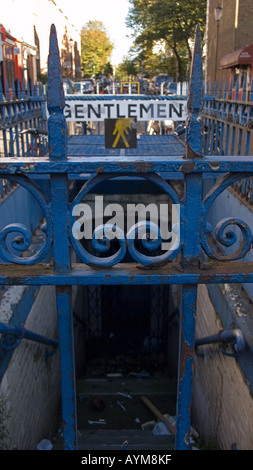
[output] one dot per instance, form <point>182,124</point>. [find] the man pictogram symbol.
<point>120,133</point>
<point>121,129</point>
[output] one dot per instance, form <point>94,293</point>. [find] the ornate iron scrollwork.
<point>9,249</point>
<point>150,234</point>
<point>226,238</point>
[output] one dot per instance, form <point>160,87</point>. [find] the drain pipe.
<point>19,332</point>
<point>233,337</point>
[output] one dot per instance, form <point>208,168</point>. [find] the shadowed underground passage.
<point>126,367</point>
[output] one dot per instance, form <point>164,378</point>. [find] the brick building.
<point>17,62</point>
<point>227,38</point>
<point>34,28</point>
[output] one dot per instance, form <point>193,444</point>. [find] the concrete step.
<point>123,413</point>
<point>122,405</point>
<point>109,439</point>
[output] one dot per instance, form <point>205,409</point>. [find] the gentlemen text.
<point>142,110</point>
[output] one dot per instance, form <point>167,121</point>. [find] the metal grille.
<point>127,327</point>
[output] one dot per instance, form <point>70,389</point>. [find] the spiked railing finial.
<point>57,129</point>
<point>194,102</point>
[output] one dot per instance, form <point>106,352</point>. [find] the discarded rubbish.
<point>170,421</point>
<point>148,425</point>
<point>114,374</point>
<point>124,395</point>
<point>98,403</point>
<point>139,375</point>
<point>124,446</point>
<point>173,421</point>
<point>158,414</point>
<point>161,429</point>
<point>137,420</point>
<point>194,433</point>
<point>121,406</point>
<point>101,421</point>
<point>45,444</point>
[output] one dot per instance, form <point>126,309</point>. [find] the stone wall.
<point>222,403</point>
<point>31,384</point>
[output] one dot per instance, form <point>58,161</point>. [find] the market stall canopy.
<point>239,57</point>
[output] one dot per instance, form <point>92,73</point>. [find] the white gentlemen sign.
<point>142,110</point>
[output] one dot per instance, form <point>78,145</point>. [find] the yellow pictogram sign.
<point>120,133</point>
<point>121,130</point>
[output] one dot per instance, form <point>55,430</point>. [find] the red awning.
<point>239,57</point>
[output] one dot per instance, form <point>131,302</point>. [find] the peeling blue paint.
<point>189,268</point>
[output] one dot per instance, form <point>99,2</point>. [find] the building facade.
<point>228,33</point>
<point>17,63</point>
<point>33,28</point>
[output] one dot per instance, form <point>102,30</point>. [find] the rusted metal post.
<point>185,369</point>
<point>68,385</point>
<point>59,194</point>
<point>191,251</point>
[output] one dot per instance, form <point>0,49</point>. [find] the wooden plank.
<point>163,418</point>
<point>158,414</point>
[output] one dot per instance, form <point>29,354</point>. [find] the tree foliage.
<point>126,68</point>
<point>96,48</point>
<point>173,21</point>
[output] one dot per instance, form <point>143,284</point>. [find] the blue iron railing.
<point>228,121</point>
<point>193,260</point>
<point>15,331</point>
<point>228,126</point>
<point>23,124</point>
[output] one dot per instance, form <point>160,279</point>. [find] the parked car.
<point>159,80</point>
<point>78,86</point>
<point>117,86</point>
<point>170,88</point>
<point>84,87</point>
<point>69,86</point>
<point>144,86</point>
<point>92,83</point>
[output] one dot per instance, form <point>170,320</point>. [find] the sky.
<point>112,13</point>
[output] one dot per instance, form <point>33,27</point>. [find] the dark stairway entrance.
<point>127,328</point>
<point>126,333</point>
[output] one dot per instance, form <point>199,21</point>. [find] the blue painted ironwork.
<point>228,126</point>
<point>232,337</point>
<point>20,333</point>
<point>23,126</point>
<point>8,250</point>
<point>193,261</point>
<point>126,240</point>
<point>194,103</point>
